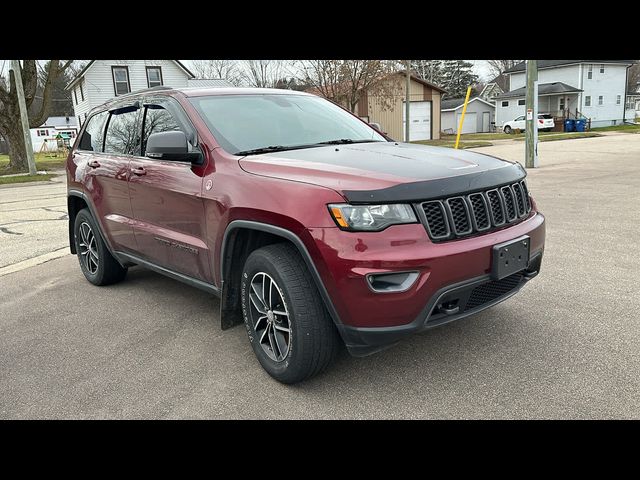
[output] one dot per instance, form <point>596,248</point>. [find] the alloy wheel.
<point>88,248</point>
<point>270,317</point>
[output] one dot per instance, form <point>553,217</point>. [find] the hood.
<point>386,171</point>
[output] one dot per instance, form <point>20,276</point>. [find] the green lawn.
<point>618,128</point>
<point>25,178</point>
<point>42,163</point>
<point>446,142</point>
<point>565,136</point>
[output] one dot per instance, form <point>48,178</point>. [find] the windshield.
<point>244,124</point>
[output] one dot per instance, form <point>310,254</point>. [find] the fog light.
<point>391,282</point>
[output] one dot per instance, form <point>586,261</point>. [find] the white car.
<point>545,123</point>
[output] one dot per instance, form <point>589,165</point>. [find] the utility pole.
<point>406,101</point>
<point>24,117</point>
<point>531,118</point>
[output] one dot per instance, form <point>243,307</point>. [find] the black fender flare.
<point>300,246</point>
<point>92,210</point>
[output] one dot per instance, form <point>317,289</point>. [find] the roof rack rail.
<point>143,90</point>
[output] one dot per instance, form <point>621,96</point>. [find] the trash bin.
<point>569,125</point>
<point>581,124</point>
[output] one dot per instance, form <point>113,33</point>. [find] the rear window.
<point>93,134</point>
<point>545,115</point>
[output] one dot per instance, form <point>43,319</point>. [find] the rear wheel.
<point>96,263</point>
<point>290,331</point>
<point>507,129</point>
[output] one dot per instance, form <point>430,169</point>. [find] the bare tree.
<point>225,69</point>
<point>344,81</point>
<point>10,126</point>
<point>262,73</point>
<point>498,67</point>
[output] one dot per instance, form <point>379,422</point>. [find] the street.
<point>566,347</point>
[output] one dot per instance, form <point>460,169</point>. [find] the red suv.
<point>311,226</point>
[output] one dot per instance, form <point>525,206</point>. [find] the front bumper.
<point>457,270</point>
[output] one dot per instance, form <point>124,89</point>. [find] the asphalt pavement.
<point>567,346</point>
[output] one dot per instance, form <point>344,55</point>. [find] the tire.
<point>312,340</point>
<point>96,263</point>
<point>507,130</point>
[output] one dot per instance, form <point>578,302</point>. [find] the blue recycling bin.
<point>569,125</point>
<point>581,124</point>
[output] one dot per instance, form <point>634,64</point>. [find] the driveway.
<point>567,346</point>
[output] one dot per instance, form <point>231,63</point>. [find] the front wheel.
<point>289,328</point>
<point>96,263</point>
<point>507,129</point>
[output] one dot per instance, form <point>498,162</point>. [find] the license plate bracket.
<point>510,257</point>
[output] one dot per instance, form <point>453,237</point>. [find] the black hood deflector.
<point>439,187</point>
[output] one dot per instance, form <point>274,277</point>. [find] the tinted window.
<point>521,102</point>
<point>93,135</point>
<point>519,118</point>
<point>505,103</point>
<point>123,134</point>
<point>544,115</point>
<point>158,119</point>
<point>244,122</point>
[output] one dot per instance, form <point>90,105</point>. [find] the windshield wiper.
<point>344,141</point>
<point>270,148</point>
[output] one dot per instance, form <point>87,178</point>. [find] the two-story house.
<point>101,80</point>
<point>593,89</point>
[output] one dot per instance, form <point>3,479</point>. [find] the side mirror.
<point>173,146</point>
<point>376,126</point>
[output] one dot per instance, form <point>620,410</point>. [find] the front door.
<point>166,199</point>
<point>107,171</point>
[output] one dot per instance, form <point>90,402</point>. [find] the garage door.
<point>470,124</point>
<point>420,120</point>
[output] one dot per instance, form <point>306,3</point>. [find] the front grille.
<point>477,212</point>
<point>492,290</point>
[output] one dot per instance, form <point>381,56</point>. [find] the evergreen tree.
<point>457,75</point>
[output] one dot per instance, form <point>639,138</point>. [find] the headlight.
<point>371,217</point>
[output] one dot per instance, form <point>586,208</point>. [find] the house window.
<point>602,68</point>
<point>81,90</point>
<point>590,72</point>
<point>121,83</point>
<point>618,99</point>
<point>561,104</point>
<point>154,76</point>
<point>521,102</point>
<point>505,103</point>
<point>600,100</point>
<point>587,101</point>
<point>75,95</point>
<point>43,133</point>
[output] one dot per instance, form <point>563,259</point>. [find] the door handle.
<point>138,171</point>
<point>93,164</point>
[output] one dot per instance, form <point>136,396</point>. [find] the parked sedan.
<point>545,123</point>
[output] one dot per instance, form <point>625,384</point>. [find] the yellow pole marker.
<point>464,110</point>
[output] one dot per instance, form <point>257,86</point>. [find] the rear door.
<point>166,198</point>
<point>107,172</point>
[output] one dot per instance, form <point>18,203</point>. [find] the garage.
<point>420,120</point>
<point>478,118</point>
<point>470,122</point>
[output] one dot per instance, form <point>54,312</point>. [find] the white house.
<point>633,102</point>
<point>593,89</point>
<point>478,117</point>
<point>101,80</point>
<point>53,130</point>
